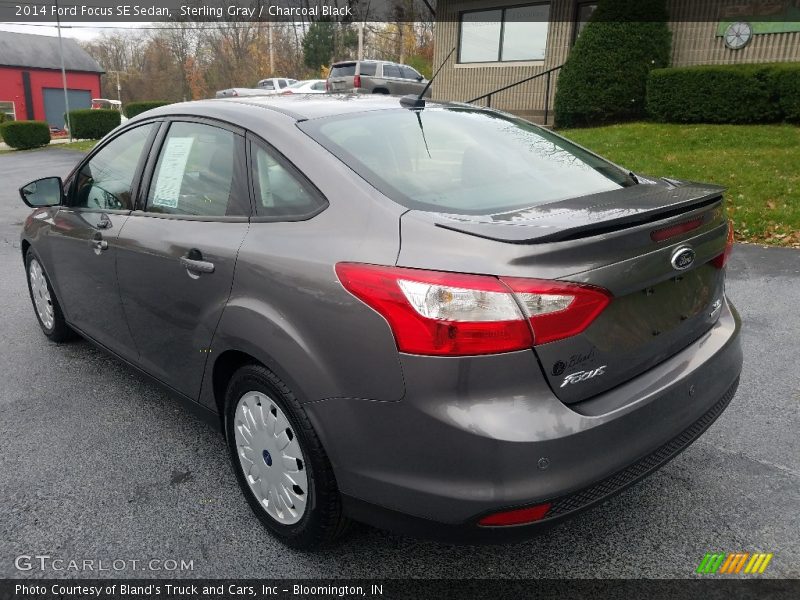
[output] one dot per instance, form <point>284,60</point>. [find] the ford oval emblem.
<point>682,258</point>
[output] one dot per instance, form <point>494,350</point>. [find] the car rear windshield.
<point>465,161</point>
<point>344,70</point>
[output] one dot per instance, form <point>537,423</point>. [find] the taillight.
<point>721,260</point>
<point>287,93</point>
<point>327,86</point>
<point>357,81</point>
<point>519,516</point>
<point>558,310</point>
<point>450,314</point>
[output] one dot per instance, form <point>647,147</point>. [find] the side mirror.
<point>420,78</point>
<point>42,192</point>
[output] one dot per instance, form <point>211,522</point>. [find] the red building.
<point>30,77</point>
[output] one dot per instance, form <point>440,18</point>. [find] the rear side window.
<point>367,69</point>
<point>344,70</point>
<point>281,192</point>
<point>466,161</point>
<point>194,175</point>
<point>391,71</point>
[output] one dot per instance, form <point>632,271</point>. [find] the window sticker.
<point>171,172</point>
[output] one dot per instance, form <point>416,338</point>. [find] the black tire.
<point>383,91</point>
<point>323,520</point>
<point>59,332</point>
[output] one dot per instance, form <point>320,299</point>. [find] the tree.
<point>605,77</point>
<point>318,45</point>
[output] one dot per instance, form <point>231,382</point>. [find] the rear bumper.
<point>479,435</point>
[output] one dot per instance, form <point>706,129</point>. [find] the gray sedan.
<point>429,317</point>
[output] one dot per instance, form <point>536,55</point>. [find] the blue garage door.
<point>54,108</point>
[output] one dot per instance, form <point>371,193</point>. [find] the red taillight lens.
<point>436,313</point>
<point>659,235</point>
<point>520,516</point>
<point>721,260</point>
<point>450,314</point>
<point>558,310</point>
<point>357,81</point>
<point>327,86</point>
<point>287,93</point>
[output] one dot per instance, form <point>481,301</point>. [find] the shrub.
<point>135,108</point>
<point>714,94</point>
<point>786,79</point>
<point>605,77</point>
<point>25,134</point>
<point>92,124</point>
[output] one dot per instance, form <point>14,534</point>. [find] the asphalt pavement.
<point>98,464</point>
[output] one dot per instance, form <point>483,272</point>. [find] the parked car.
<point>104,103</point>
<point>441,319</point>
<point>308,86</point>
<point>275,84</point>
<point>235,92</point>
<point>376,77</point>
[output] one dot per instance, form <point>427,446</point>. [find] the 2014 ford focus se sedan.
<point>438,319</point>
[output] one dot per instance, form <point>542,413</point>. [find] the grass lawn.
<point>83,145</point>
<point>759,164</point>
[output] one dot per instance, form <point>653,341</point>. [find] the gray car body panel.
<point>443,439</point>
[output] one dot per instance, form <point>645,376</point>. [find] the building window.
<point>515,33</point>
<point>8,109</point>
<point>582,16</point>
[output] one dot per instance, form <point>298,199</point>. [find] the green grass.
<point>83,145</point>
<point>759,164</point>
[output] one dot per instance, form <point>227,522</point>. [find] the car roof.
<point>298,107</point>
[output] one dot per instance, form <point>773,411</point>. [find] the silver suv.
<point>376,77</point>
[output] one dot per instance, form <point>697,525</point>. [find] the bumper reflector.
<point>520,516</point>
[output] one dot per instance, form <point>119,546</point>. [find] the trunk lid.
<point>663,301</point>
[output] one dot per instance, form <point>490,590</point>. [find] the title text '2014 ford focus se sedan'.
<point>434,318</point>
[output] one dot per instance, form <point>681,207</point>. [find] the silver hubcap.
<point>41,294</point>
<point>271,458</point>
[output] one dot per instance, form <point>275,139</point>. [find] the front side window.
<point>280,192</point>
<point>409,73</point>
<point>105,181</point>
<point>268,85</point>
<point>511,34</point>
<point>194,173</point>
<point>463,161</point>
<point>282,83</point>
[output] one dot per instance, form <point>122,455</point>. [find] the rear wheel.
<point>380,91</point>
<point>279,461</point>
<point>45,305</point>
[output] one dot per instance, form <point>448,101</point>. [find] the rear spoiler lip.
<point>524,231</point>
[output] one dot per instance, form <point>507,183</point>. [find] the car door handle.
<point>197,266</point>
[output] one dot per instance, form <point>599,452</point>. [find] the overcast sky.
<point>82,31</point>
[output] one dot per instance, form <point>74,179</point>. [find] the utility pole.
<point>63,73</point>
<point>271,51</point>
<point>360,26</point>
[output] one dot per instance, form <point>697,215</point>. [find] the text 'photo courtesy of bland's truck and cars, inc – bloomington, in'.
<point>400,299</point>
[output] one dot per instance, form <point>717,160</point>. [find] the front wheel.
<point>45,305</point>
<point>279,461</point>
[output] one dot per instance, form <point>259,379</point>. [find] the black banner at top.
<point>216,11</point>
